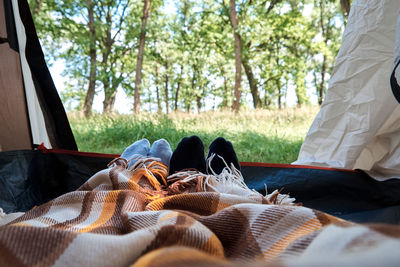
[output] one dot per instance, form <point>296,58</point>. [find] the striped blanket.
<point>142,217</point>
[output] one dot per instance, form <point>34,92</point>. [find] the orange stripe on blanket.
<point>21,224</point>
<point>169,215</point>
<point>213,246</point>
<point>146,173</point>
<point>179,256</point>
<point>151,172</point>
<point>279,246</point>
<point>132,185</point>
<point>160,172</point>
<point>106,213</point>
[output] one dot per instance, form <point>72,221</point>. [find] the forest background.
<point>191,56</point>
<point>179,55</point>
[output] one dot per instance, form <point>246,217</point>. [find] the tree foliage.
<point>192,55</point>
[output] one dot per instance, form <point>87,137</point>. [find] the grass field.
<point>273,136</point>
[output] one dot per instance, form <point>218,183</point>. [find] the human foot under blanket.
<point>141,216</point>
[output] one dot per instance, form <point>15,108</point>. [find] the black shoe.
<point>189,154</point>
<point>222,148</point>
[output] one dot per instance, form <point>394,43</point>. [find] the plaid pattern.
<point>139,216</point>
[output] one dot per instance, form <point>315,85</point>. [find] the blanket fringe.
<point>280,199</point>
<point>229,181</point>
<point>2,213</point>
<point>149,167</point>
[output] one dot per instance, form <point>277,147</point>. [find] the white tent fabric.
<point>36,119</point>
<point>358,126</point>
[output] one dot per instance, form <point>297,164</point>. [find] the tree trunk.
<point>322,84</point>
<point>109,90</point>
<point>158,90</point>
<point>87,105</point>
<point>325,33</point>
<point>166,87</point>
<point>178,89</point>
<point>278,83</point>
<point>252,83</point>
<point>38,6</point>
<point>294,5</point>
<point>345,6</point>
<point>198,101</point>
<point>193,83</point>
<point>111,93</point>
<point>224,103</point>
<point>238,56</point>
<point>142,39</point>
<point>176,95</point>
<point>266,101</point>
<point>300,87</point>
<point>109,101</point>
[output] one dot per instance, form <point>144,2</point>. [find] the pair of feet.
<point>141,148</point>
<point>189,154</point>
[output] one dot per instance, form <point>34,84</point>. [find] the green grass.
<point>273,136</point>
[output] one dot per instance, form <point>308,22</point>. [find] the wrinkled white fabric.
<point>358,125</point>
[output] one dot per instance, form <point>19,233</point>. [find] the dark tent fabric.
<point>31,65</point>
<point>11,39</point>
<point>350,195</point>
<point>29,178</point>
<point>395,84</point>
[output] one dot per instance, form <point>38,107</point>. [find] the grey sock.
<point>161,149</point>
<point>139,148</point>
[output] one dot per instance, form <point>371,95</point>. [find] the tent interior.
<point>348,166</point>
